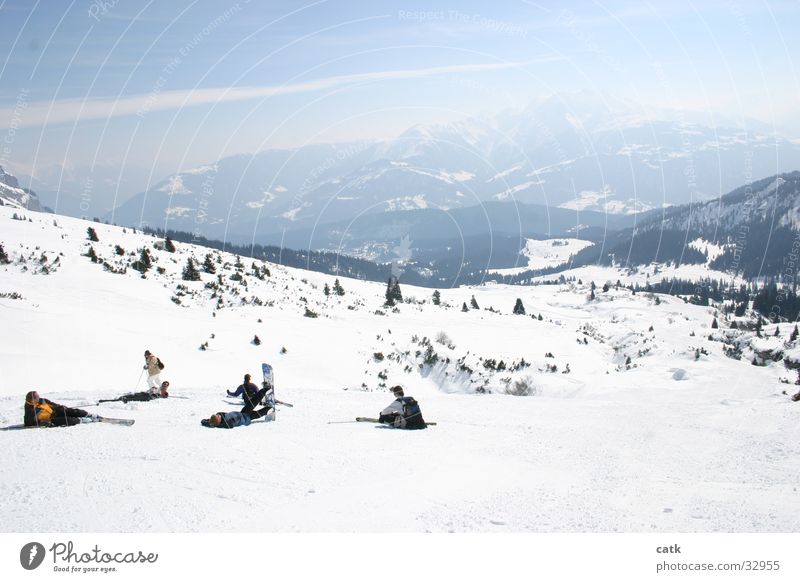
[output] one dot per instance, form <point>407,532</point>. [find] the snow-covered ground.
<point>649,431</point>
<point>542,254</point>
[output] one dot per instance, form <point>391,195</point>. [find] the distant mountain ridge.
<point>582,152</point>
<point>10,192</point>
<point>754,232</point>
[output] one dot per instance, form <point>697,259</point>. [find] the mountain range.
<point>582,152</point>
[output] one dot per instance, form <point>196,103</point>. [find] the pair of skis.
<point>103,419</point>
<point>368,419</point>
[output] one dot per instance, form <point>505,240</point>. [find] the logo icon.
<point>31,555</point>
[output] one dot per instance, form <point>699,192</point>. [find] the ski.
<point>120,421</point>
<point>375,420</point>
<point>284,403</point>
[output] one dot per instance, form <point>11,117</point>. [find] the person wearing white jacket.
<point>153,370</point>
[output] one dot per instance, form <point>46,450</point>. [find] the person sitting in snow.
<point>163,392</point>
<point>243,418</point>
<point>404,412</point>
<point>248,391</point>
<point>153,366</point>
<point>42,412</point>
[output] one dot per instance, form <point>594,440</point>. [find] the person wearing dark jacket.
<point>234,419</point>
<point>248,391</point>
<point>143,396</point>
<point>43,412</point>
<point>404,412</point>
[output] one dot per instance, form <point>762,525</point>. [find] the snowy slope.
<point>610,446</point>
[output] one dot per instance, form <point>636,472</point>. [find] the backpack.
<point>412,414</point>
<point>159,363</point>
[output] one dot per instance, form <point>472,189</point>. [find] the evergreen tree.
<point>92,234</point>
<point>326,290</point>
<point>464,307</point>
<point>519,308</point>
<point>473,303</point>
<point>337,288</point>
<point>119,250</point>
<point>795,333</point>
<point>144,263</point>
<point>758,326</point>
<point>4,260</point>
<point>714,324</point>
<point>91,254</point>
<point>393,293</point>
<point>190,272</point>
<point>169,246</point>
<point>606,288</point>
<point>591,294</point>
<point>208,265</point>
<point>256,340</point>
<point>437,298</point>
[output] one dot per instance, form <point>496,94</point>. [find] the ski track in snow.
<point>602,449</point>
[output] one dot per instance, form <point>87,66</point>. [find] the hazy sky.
<point>165,86</point>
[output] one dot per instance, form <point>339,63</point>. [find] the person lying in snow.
<point>404,412</point>
<point>143,396</point>
<point>234,419</point>
<point>248,391</point>
<point>43,412</point>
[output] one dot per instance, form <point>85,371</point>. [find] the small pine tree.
<point>190,272</point>
<point>758,327</point>
<point>144,263</point>
<point>337,288</point>
<point>326,290</point>
<point>208,265</point>
<point>91,254</point>
<point>464,307</point>
<point>473,303</point>
<point>591,294</point>
<point>714,324</point>
<point>606,288</point>
<point>437,298</point>
<point>519,308</point>
<point>393,293</point>
<point>256,340</point>
<point>119,250</point>
<point>777,331</point>
<point>169,246</point>
<point>91,234</point>
<point>4,260</point>
<point>795,333</point>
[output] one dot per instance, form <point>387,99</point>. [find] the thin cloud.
<point>78,110</point>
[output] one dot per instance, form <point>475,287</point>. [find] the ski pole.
<point>342,421</point>
<point>140,379</point>
<point>284,403</point>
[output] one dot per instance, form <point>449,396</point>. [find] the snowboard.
<point>269,382</point>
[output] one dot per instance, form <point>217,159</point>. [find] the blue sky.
<point>169,85</point>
